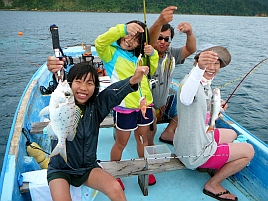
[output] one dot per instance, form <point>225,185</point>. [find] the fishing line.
<point>243,78</point>
<point>237,79</point>
<point>169,157</point>
<point>23,58</point>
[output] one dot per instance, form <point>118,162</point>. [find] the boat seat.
<point>135,167</point>
<point>38,127</point>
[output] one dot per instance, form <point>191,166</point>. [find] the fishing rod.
<point>146,38</point>
<point>244,77</point>
<point>144,16</point>
<point>57,49</point>
<point>237,79</point>
<point>147,59</point>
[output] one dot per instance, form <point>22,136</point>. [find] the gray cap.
<point>223,54</point>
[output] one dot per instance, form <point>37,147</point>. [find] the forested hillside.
<point>208,7</point>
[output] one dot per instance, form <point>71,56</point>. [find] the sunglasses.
<point>167,39</point>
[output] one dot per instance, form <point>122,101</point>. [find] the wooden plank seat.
<point>134,167</point>
<point>37,127</point>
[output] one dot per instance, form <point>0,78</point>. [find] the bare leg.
<point>141,138</point>
<point>240,155</point>
<point>119,145</point>
<point>141,134</point>
<point>104,182</point>
<point>227,135</point>
<point>168,133</point>
<point>152,133</point>
<point>60,190</point>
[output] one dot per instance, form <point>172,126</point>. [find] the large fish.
<point>215,109</point>
<point>64,117</point>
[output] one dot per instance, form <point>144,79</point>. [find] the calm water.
<point>245,37</point>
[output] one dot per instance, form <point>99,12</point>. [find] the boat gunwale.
<point>17,124</point>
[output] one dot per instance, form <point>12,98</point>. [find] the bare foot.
<point>166,135</point>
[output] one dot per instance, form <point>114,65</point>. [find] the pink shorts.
<point>221,155</point>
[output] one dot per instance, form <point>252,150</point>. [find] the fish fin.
<point>172,65</point>
<point>50,132</point>
<point>44,111</point>
<point>78,114</point>
<point>210,128</point>
<point>140,60</point>
<point>164,64</point>
<point>59,150</point>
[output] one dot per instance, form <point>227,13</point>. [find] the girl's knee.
<point>121,146</point>
<point>233,134</point>
<point>116,192</point>
<point>250,151</point>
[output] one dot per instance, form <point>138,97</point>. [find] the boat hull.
<point>249,184</point>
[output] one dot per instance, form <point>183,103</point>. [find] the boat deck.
<point>170,186</point>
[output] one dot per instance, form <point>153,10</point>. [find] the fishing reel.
<point>153,83</point>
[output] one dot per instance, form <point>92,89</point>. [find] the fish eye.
<point>67,93</point>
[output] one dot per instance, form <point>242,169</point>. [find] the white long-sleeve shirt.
<point>190,87</point>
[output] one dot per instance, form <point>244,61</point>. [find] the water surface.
<point>245,37</point>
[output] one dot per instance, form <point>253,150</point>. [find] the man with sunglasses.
<point>161,35</point>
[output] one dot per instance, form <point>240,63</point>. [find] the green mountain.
<point>201,7</point>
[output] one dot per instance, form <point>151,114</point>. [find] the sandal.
<point>217,195</point>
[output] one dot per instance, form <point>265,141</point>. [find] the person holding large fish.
<point>196,145</point>
<point>76,164</point>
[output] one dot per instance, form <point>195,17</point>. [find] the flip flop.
<point>217,196</point>
<point>166,141</point>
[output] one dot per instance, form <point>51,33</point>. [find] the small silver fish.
<point>168,64</point>
<point>64,117</point>
<point>215,108</point>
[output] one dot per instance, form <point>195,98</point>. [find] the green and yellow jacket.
<point>121,64</point>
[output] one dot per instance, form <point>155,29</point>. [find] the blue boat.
<point>22,178</point>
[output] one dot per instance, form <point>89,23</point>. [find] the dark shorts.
<point>169,110</point>
<point>131,121</point>
<point>72,179</point>
<point>221,155</point>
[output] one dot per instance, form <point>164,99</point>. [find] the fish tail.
<point>59,150</point>
<point>210,128</point>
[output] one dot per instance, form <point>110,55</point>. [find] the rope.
<point>167,157</point>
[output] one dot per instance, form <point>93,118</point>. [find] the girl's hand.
<point>138,75</point>
<point>54,64</point>
<point>148,50</point>
<point>134,28</point>
<point>224,104</point>
<point>206,58</point>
